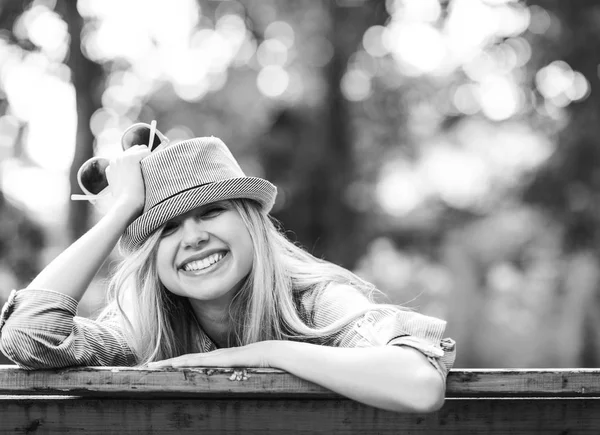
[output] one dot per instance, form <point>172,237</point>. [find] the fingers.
<point>159,364</point>
<point>180,361</point>
<point>136,152</point>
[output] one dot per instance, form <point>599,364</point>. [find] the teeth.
<point>204,263</point>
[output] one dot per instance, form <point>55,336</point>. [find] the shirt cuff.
<point>7,308</point>
<point>37,309</point>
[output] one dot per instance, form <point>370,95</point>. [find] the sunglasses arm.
<point>90,198</point>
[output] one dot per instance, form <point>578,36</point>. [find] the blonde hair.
<point>163,325</point>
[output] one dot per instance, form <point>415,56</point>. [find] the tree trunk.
<point>86,76</point>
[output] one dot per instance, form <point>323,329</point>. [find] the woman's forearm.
<point>73,270</point>
<point>389,377</point>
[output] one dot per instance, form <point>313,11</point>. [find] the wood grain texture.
<point>215,383</point>
<point>123,400</point>
<point>292,416</point>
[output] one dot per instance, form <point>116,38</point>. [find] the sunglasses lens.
<point>92,176</point>
<point>140,136</point>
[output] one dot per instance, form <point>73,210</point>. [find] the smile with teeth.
<point>193,266</point>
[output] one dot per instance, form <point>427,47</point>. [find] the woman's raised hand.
<point>125,180</point>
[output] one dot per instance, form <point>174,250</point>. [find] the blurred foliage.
<point>445,150</point>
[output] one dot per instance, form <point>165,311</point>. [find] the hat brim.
<point>253,188</point>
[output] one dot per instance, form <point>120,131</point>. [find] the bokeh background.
<point>446,150</point>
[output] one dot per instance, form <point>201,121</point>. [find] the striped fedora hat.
<point>187,175</point>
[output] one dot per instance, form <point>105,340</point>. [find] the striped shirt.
<point>40,329</point>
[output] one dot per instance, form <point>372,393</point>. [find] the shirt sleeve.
<point>39,329</point>
<point>380,325</point>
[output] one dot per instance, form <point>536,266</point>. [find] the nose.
<point>193,234</point>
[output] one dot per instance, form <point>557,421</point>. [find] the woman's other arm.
<point>396,378</point>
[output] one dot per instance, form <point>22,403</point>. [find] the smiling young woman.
<point>208,280</point>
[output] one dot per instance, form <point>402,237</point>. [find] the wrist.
<point>278,353</point>
<point>125,212</point>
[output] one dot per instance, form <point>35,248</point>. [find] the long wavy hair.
<point>163,325</point>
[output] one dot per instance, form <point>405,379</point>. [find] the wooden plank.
<point>215,383</point>
<point>524,383</point>
<point>256,416</point>
<point>131,382</point>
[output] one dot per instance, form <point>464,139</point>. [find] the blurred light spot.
<point>102,119</point>
<point>118,98</point>
<point>210,51</point>
<point>272,52</point>
<point>281,31</point>
<point>272,81</point>
<point>108,141</point>
<point>398,190</point>
<point>90,8</point>
<point>233,29</point>
<point>552,110</point>
<point>356,85</point>
<point>580,89</point>
<point>554,79</point>
<point>373,41</point>
<point>479,66</point>
<point>560,100</point>
<point>421,10</point>
<point>419,45</point>
<point>559,83</point>
<point>388,264</point>
<point>460,178</point>
<point>60,101</point>
<point>191,91</point>
<point>231,7</point>
<point>464,99</point>
<point>44,28</point>
<point>521,48</point>
<point>504,277</point>
<point>505,58</point>
<point>499,98</point>
<point>296,87</point>
<point>46,104</point>
<point>512,20</point>
<point>469,27</point>
<point>110,41</point>
<point>134,29</point>
<point>508,150</point>
<point>540,20</point>
<point>43,192</point>
<point>179,132</point>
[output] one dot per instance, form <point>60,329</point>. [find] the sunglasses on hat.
<point>92,174</point>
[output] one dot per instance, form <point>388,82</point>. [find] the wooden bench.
<point>123,400</point>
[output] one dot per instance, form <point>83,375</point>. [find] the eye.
<point>213,211</point>
<point>170,228</point>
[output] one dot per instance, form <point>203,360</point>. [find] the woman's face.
<point>205,254</point>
